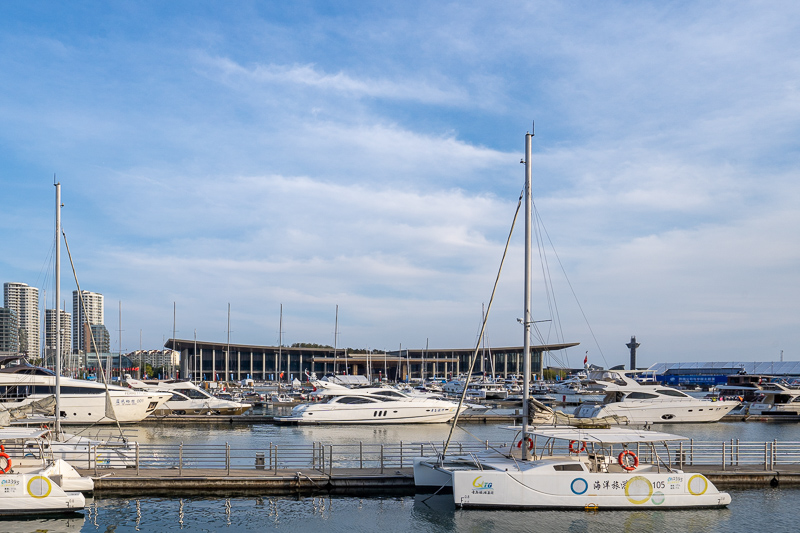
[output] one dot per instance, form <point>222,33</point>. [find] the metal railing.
<point>382,457</point>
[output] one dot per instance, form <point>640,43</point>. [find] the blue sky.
<point>367,156</point>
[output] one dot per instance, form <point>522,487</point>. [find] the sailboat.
<point>567,467</point>
<point>78,401</point>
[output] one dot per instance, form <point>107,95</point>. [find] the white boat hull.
<point>35,493</point>
<point>406,414</point>
<point>91,409</point>
<point>526,490</point>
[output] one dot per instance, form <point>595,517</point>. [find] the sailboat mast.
<point>228,352</point>
<point>120,339</point>
<point>335,338</point>
<point>526,320</point>
<point>58,310</point>
<point>280,347</point>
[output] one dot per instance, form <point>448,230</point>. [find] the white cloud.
<point>309,75</point>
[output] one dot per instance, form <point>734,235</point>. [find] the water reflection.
<point>417,514</point>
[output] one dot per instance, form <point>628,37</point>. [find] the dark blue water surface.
<point>771,510</point>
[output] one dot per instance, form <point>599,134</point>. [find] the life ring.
<point>577,446</point>
<point>623,462</point>
<point>530,443</point>
<point>8,463</point>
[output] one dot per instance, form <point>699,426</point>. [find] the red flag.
<point>585,358</point>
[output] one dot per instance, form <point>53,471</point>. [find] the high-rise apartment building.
<point>50,334</point>
<point>100,341</point>
<point>85,315</point>
<point>9,331</point>
<point>25,301</point>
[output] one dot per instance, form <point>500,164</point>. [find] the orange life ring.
<point>577,446</point>
<point>530,443</point>
<point>623,463</point>
<point>8,462</point>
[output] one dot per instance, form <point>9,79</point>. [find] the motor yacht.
<point>340,405</point>
<point>571,468</point>
<point>644,403</point>
<point>82,401</point>
<point>186,398</point>
<point>776,399</point>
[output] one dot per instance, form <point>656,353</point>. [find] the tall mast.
<point>120,339</point>
<point>335,337</point>
<point>526,320</point>
<point>280,347</point>
<point>58,310</point>
<point>172,355</point>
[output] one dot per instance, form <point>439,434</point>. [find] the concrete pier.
<point>351,481</point>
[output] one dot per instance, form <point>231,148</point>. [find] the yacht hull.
<point>525,489</point>
<point>645,412</point>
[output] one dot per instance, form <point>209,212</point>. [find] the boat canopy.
<point>20,433</point>
<point>601,435</point>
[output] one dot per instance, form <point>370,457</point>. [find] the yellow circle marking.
<point>638,484</point>
<point>691,482</point>
<point>39,488</point>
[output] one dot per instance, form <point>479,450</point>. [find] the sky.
<point>365,157</point>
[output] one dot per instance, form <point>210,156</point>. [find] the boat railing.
<point>324,457</point>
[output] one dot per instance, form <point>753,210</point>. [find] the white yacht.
<point>340,405</point>
<point>599,469</point>
<point>186,398</point>
<point>82,402</point>
<point>573,385</point>
<point>640,403</point>
<point>775,400</point>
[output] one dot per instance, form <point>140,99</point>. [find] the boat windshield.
<point>351,399</point>
<point>195,394</point>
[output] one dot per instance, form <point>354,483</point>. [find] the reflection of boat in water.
<point>373,405</point>
<point>776,400</point>
<point>37,485</point>
<point>574,469</point>
<point>189,399</point>
<point>643,403</point>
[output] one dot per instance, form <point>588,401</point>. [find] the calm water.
<point>748,511</point>
<point>262,434</point>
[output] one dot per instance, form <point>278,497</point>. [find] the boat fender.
<point>576,446</point>
<point>624,461</point>
<point>7,468</point>
<point>529,441</point>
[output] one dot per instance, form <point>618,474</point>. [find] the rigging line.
<point>91,333</point>
<point>547,280</point>
<point>560,264</point>
<point>483,327</point>
<point>558,325</point>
